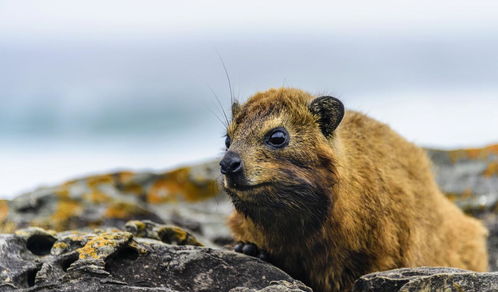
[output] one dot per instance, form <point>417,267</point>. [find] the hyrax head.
<point>279,164</point>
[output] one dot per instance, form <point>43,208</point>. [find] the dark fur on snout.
<point>285,206</point>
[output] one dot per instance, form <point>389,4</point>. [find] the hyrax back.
<point>333,195</point>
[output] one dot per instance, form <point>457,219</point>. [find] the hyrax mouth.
<point>240,184</point>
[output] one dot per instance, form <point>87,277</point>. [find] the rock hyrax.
<point>331,195</point>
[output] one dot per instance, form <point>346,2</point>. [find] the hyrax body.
<point>332,195</point>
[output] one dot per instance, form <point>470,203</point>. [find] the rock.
<point>277,286</point>
<point>491,222</point>
<point>188,197</point>
<point>166,233</point>
<point>34,259</point>
<point>427,279</point>
<point>469,177</point>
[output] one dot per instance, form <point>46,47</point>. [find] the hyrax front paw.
<point>251,249</point>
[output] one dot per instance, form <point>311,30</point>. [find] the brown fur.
<point>331,210</point>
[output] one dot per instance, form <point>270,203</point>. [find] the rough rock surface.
<point>427,279</point>
<point>469,177</point>
<point>34,259</point>
<point>188,197</point>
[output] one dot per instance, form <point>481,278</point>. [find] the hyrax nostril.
<point>236,166</point>
<point>231,163</point>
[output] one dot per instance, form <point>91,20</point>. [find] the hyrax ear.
<point>330,112</point>
<point>235,108</point>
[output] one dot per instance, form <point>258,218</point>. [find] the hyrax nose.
<point>231,163</point>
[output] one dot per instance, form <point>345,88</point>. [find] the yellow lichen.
<point>7,227</point>
<point>133,188</point>
<point>103,244</point>
<point>60,245</point>
<point>473,153</point>
<point>125,176</point>
<point>51,232</point>
<point>177,235</point>
<point>27,232</point>
<point>96,196</point>
<point>94,224</point>
<point>491,170</point>
<point>137,247</point>
<point>137,223</point>
<point>452,196</point>
<point>93,181</point>
<point>122,210</point>
<point>493,149</point>
<point>63,191</point>
<point>65,210</point>
<point>77,236</point>
<point>4,209</point>
<point>177,185</point>
<point>176,232</point>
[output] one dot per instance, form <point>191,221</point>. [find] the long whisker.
<point>227,76</point>
<point>221,106</point>
<point>218,118</point>
<point>209,107</point>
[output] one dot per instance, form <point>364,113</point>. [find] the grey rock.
<point>427,279</point>
<point>491,222</point>
<point>188,197</point>
<point>34,259</point>
<point>278,286</point>
<point>468,176</point>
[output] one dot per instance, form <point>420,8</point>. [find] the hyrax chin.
<point>329,195</point>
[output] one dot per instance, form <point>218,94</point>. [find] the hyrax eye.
<point>227,141</point>
<point>277,138</point>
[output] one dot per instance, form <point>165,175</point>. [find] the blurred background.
<point>94,86</point>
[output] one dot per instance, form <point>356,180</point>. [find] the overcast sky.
<point>125,18</point>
